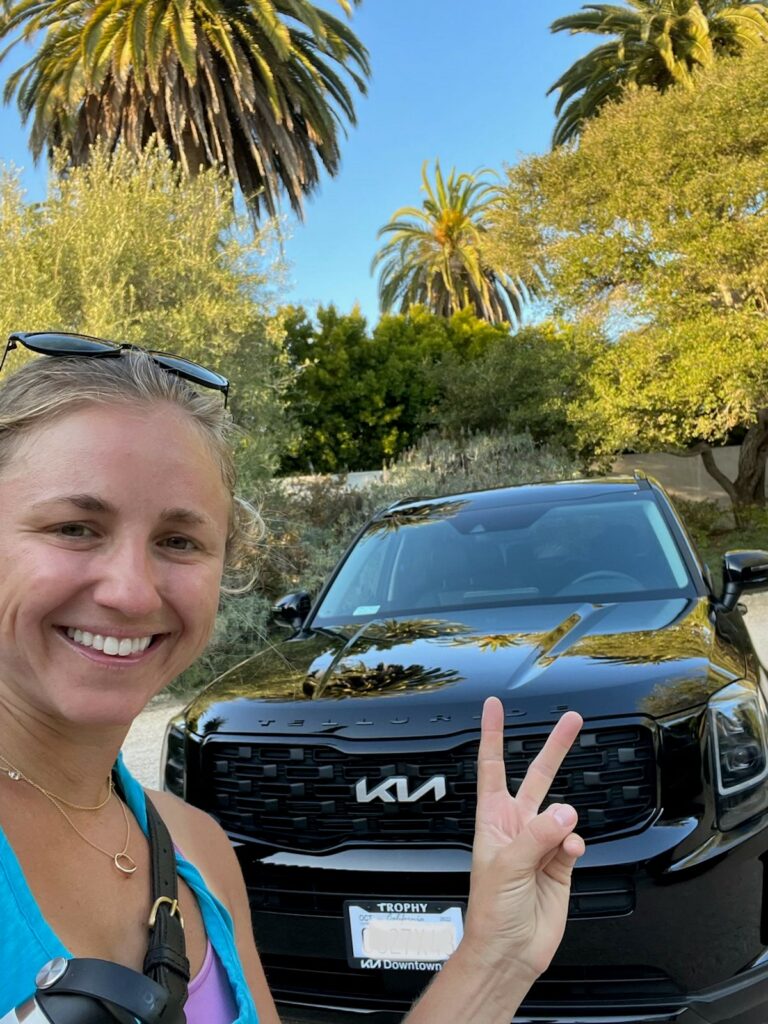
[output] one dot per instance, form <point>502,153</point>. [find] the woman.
<point>118,521</point>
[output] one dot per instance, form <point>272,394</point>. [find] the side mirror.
<point>743,571</point>
<point>291,611</point>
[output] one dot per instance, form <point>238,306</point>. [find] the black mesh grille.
<point>308,797</point>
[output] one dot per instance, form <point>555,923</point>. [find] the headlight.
<point>172,759</point>
<point>740,746</point>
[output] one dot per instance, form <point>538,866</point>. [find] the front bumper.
<point>648,939</point>
<point>741,1000</point>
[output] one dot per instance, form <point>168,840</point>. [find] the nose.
<point>128,580</point>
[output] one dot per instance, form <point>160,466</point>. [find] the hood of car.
<point>402,675</point>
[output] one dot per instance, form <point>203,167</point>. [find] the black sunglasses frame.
<point>59,343</point>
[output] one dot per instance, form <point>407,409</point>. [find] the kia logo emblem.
<point>401,795</point>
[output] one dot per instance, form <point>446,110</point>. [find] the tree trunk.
<point>748,489</point>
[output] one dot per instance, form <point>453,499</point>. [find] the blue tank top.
<point>27,941</point>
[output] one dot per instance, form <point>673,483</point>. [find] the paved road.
<point>143,743</point>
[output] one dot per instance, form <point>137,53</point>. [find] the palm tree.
<point>257,87</point>
<point>433,253</point>
<point>657,44</point>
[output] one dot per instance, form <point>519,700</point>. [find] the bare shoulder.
<point>202,841</point>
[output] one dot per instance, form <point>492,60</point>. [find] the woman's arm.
<point>520,883</point>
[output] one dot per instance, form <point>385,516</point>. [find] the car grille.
<point>305,797</point>
<point>583,993</point>
<point>303,891</point>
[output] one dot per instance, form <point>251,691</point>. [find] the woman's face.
<point>113,526</point>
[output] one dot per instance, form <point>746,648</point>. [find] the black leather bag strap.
<point>166,961</point>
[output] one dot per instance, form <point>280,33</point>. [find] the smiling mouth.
<point>114,646</point>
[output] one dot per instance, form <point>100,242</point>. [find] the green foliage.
<point>358,399</point>
<point>714,532</point>
<point>242,627</point>
<point>676,386</point>
<point>128,248</point>
<point>654,231</point>
<point>259,90</point>
<point>659,45</point>
<point>432,254</point>
<point>524,381</point>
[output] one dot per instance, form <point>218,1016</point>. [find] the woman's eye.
<point>76,530</point>
<point>180,544</point>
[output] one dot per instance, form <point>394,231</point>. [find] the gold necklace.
<point>18,775</point>
<point>122,859</point>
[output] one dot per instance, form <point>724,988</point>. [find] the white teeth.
<point>120,647</point>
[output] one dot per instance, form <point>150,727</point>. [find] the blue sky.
<point>461,80</point>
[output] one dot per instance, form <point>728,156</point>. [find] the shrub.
<point>714,531</point>
<point>359,398</point>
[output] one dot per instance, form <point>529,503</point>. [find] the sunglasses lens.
<point>192,370</point>
<point>64,344</point>
<point>52,344</point>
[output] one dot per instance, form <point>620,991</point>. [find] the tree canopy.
<point>656,44</point>
<point>432,257</point>
<point>654,230</point>
<point>359,398</point>
<point>130,249</point>
<point>260,89</point>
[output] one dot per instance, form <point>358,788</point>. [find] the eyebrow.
<point>85,502</point>
<point>95,504</point>
<point>184,515</point>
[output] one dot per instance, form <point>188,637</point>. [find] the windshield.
<point>454,555</point>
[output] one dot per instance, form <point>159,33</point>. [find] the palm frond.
<point>262,88</point>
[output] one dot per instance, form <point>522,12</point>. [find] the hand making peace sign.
<point>522,859</point>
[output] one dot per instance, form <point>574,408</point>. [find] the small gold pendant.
<point>124,863</point>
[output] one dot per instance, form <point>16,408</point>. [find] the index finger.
<point>545,766</point>
<point>491,773</point>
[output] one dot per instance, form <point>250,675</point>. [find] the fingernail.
<point>564,815</point>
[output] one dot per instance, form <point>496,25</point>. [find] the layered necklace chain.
<point>122,859</point>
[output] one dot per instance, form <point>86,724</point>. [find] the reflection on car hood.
<point>653,657</point>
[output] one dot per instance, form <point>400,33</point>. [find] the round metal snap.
<point>50,973</point>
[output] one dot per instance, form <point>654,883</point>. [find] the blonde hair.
<point>53,386</point>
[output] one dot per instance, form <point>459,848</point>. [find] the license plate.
<point>402,935</point>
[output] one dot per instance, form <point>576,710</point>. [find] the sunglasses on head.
<point>61,344</point>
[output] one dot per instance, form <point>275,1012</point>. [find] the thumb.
<point>542,837</point>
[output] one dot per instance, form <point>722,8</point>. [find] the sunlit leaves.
<point>655,230</point>
<point>130,249</point>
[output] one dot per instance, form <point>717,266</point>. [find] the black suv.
<point>341,761</point>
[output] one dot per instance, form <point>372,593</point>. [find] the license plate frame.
<point>397,932</point>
